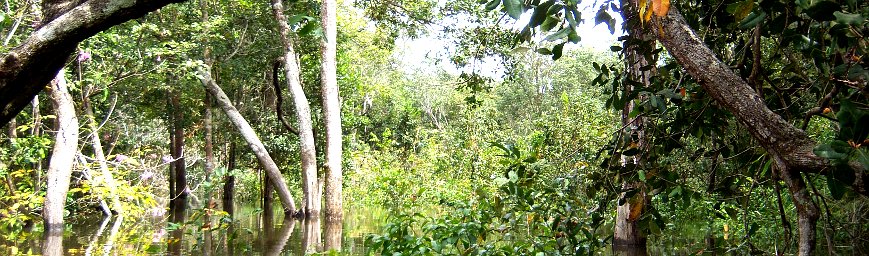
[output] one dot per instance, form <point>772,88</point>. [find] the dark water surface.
<point>252,232</point>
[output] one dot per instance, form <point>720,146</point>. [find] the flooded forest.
<point>434,127</point>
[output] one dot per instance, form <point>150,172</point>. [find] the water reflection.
<point>52,244</point>
<point>311,241</point>
<point>334,229</point>
<point>281,238</point>
<point>252,232</point>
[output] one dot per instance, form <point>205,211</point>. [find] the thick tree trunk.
<point>62,156</point>
<point>252,139</point>
<point>106,175</point>
<point>27,68</point>
<point>790,147</point>
<point>303,113</point>
<point>331,110</point>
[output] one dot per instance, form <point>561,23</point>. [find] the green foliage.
<point>525,215</point>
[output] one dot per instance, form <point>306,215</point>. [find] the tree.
<point>830,64</point>
<point>331,110</point>
<point>25,68</point>
<point>250,136</point>
<point>303,113</point>
<point>63,154</point>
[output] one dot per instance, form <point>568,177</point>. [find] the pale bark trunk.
<point>303,113</point>
<point>789,147</point>
<point>331,110</point>
<point>627,232</point>
<point>62,156</point>
<point>209,143</point>
<point>253,141</point>
<point>28,67</point>
<point>106,175</point>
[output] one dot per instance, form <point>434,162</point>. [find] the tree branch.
<point>27,69</point>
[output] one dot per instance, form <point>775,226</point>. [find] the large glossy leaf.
<point>514,8</point>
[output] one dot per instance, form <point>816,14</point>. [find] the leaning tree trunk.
<point>62,156</point>
<point>331,110</point>
<point>789,147</point>
<point>106,175</point>
<point>303,113</point>
<point>252,139</point>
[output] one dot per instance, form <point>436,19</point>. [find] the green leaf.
<point>492,5</point>
<point>514,8</point>
<point>642,175</point>
<point>539,14</point>
<point>564,32</point>
<point>837,189</point>
<point>308,29</point>
<point>827,151</point>
<point>556,51</point>
<point>573,37</point>
<point>615,48</point>
<point>604,17</point>
<point>544,51</point>
<point>849,19</point>
<point>752,19</point>
<point>549,23</point>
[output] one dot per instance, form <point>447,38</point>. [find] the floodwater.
<point>251,232</point>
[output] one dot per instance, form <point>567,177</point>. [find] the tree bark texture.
<point>331,110</point>
<point>62,156</point>
<point>252,139</point>
<point>627,231</point>
<point>26,69</point>
<point>789,147</point>
<point>303,113</point>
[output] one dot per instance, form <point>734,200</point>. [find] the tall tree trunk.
<point>209,144</point>
<point>628,236</point>
<point>106,175</point>
<point>179,199</point>
<point>252,139</point>
<point>331,110</point>
<point>790,147</point>
<point>62,156</point>
<point>303,113</point>
<point>35,131</point>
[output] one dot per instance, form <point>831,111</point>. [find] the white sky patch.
<point>432,54</point>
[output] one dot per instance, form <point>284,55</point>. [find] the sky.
<point>428,52</point>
